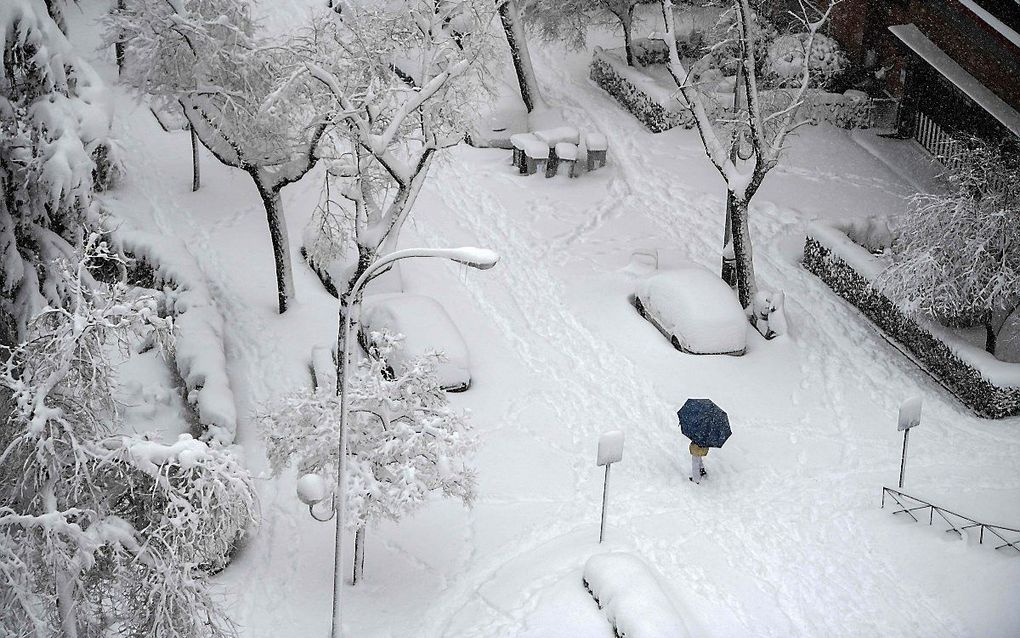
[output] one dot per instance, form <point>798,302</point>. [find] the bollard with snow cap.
<point>910,416</point>
<point>610,451</point>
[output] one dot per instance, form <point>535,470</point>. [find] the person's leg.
<point>695,468</point>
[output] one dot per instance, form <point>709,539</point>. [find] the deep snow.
<point>785,537</point>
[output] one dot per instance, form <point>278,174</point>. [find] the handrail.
<point>997,530</point>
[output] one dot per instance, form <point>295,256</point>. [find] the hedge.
<point>659,110</point>
<point>930,351</point>
<point>658,113</point>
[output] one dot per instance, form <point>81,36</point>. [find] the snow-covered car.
<point>426,327</point>
<point>695,310</point>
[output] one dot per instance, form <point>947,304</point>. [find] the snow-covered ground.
<point>785,536</point>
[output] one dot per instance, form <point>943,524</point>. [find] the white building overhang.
<point>939,60</point>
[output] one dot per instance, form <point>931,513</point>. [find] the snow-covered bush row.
<point>986,385</point>
<point>654,106</point>
<point>104,533</point>
<point>198,330</point>
<point>630,594</point>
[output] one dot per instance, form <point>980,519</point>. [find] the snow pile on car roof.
<point>630,594</point>
<point>426,328</point>
<point>697,306</point>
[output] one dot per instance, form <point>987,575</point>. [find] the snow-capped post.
<point>910,416</point>
<point>610,451</point>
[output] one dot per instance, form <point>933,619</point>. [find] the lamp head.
<point>480,258</point>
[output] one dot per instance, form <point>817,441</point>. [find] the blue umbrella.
<point>704,423</point>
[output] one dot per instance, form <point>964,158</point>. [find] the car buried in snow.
<point>695,310</point>
<point>426,327</point>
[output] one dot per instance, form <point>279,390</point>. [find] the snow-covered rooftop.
<point>910,35</point>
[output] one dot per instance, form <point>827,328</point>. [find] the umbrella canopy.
<point>704,423</point>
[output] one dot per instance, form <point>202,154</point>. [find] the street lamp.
<point>480,258</point>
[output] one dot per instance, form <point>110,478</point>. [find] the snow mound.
<point>634,601</point>
<point>554,136</point>
<point>698,308</point>
<point>566,151</point>
<point>198,330</point>
<point>426,327</point>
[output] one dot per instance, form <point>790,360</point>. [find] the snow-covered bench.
<point>628,591</point>
<point>566,153</point>
<point>519,141</point>
<point>553,138</point>
<point>598,147</point>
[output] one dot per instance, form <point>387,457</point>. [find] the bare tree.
<point>385,132</point>
<point>568,21</point>
<point>209,56</point>
<point>760,129</point>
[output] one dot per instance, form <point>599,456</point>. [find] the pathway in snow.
<point>796,529</point>
<point>783,540</point>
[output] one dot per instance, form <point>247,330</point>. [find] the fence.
<point>962,522</point>
<point>936,140</point>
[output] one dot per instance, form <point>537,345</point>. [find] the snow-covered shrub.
<point>827,60</point>
<point>405,440</point>
<point>189,492</point>
<point>957,254</point>
<point>872,233</point>
<point>55,151</point>
<point>989,387</point>
<point>101,533</point>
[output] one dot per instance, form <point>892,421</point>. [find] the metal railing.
<point>957,522</point>
<point>936,140</point>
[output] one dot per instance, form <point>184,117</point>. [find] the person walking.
<point>698,454</point>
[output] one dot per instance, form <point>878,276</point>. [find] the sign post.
<point>910,416</point>
<point>610,451</point>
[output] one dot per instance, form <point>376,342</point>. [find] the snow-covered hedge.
<point>986,385</point>
<point>652,104</point>
<point>656,105</point>
<point>198,330</point>
<point>630,594</point>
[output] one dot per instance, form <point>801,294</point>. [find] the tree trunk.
<point>359,556</point>
<point>520,54</point>
<point>118,46</point>
<point>728,272</point>
<point>990,337</point>
<point>628,20</point>
<point>66,612</point>
<point>281,247</point>
<point>746,286</point>
<point>196,179</point>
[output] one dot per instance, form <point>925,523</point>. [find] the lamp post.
<point>479,258</point>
